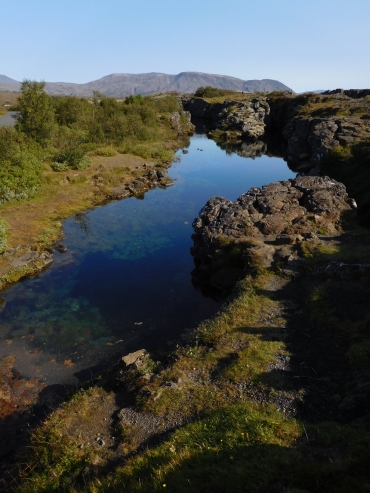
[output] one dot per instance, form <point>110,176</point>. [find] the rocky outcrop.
<point>18,262</point>
<point>182,123</point>
<point>310,139</point>
<point>351,93</point>
<point>303,127</point>
<point>152,179</point>
<point>230,120</point>
<point>27,257</point>
<point>264,226</point>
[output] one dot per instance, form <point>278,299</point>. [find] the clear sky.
<point>307,45</point>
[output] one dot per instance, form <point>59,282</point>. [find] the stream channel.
<point>125,281</point>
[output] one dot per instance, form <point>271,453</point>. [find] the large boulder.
<point>264,224</point>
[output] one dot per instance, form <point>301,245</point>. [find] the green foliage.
<point>147,151</point>
<point>20,166</point>
<point>105,151</point>
<point>70,109</point>
<point>3,236</point>
<point>70,144</point>
<point>69,127</point>
<point>36,111</point>
<point>149,366</point>
<point>139,100</point>
<point>167,104</point>
<point>210,92</point>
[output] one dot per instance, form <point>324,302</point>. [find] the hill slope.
<point>125,84</point>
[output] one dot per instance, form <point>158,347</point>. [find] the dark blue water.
<point>125,282</point>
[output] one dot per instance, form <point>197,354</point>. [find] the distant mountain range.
<point>119,85</point>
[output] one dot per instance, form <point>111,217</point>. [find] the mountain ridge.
<point>123,84</point>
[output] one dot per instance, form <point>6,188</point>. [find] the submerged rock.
<point>135,359</point>
<point>61,248</point>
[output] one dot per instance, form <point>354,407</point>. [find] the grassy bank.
<point>67,154</point>
<point>269,395</point>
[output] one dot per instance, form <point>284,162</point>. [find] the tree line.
<point>61,130</point>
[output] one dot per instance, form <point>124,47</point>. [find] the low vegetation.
<point>211,92</point>
<point>271,394</point>
<point>55,136</point>
<point>227,400</point>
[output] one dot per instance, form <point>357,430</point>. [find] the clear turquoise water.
<point>125,281</point>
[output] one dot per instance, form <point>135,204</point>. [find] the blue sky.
<point>307,45</point>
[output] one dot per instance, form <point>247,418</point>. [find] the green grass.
<point>243,446</point>
<point>232,443</point>
<point>105,151</point>
<point>152,150</point>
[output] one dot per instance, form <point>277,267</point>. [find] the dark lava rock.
<point>243,118</point>
<point>61,248</point>
<point>266,226</point>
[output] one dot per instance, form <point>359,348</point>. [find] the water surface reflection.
<point>125,280</point>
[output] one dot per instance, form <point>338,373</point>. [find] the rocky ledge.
<point>310,139</point>
<point>266,226</point>
<point>303,127</point>
<point>151,179</point>
<point>232,120</point>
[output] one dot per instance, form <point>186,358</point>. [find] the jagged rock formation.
<point>306,126</point>
<point>309,140</point>
<point>352,93</point>
<point>182,126</point>
<point>232,120</point>
<point>265,226</point>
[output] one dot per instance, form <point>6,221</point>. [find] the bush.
<point>167,104</point>
<point>69,109</point>
<point>140,150</point>
<point>72,149</point>
<point>210,92</point>
<point>105,151</point>
<point>20,166</point>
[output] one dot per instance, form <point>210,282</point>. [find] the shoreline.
<point>110,178</point>
<point>272,392</point>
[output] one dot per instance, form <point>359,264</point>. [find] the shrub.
<point>105,151</point>
<point>20,166</point>
<point>140,150</point>
<point>69,109</point>
<point>72,149</point>
<point>167,104</point>
<point>210,92</point>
